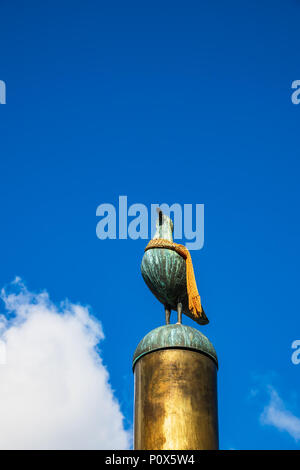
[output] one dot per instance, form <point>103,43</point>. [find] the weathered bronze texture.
<point>175,336</point>
<point>164,272</point>
<point>175,369</point>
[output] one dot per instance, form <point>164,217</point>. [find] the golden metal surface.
<point>175,401</point>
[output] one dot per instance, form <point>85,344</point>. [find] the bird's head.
<point>164,226</point>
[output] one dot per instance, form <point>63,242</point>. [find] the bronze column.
<point>175,371</point>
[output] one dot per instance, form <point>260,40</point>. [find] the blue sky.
<point>162,102</point>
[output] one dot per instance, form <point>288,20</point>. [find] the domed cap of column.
<point>173,337</point>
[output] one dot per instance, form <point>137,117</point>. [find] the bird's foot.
<point>168,314</point>
<point>179,313</point>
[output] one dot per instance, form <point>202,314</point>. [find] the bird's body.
<point>164,271</point>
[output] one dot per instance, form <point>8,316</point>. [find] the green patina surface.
<point>175,336</point>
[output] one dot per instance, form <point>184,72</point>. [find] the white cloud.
<point>54,388</point>
<point>276,414</point>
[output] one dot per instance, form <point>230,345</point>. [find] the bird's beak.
<point>160,215</point>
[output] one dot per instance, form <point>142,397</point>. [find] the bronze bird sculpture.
<point>169,276</point>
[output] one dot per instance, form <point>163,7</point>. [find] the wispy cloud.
<point>54,388</point>
<point>276,414</point>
